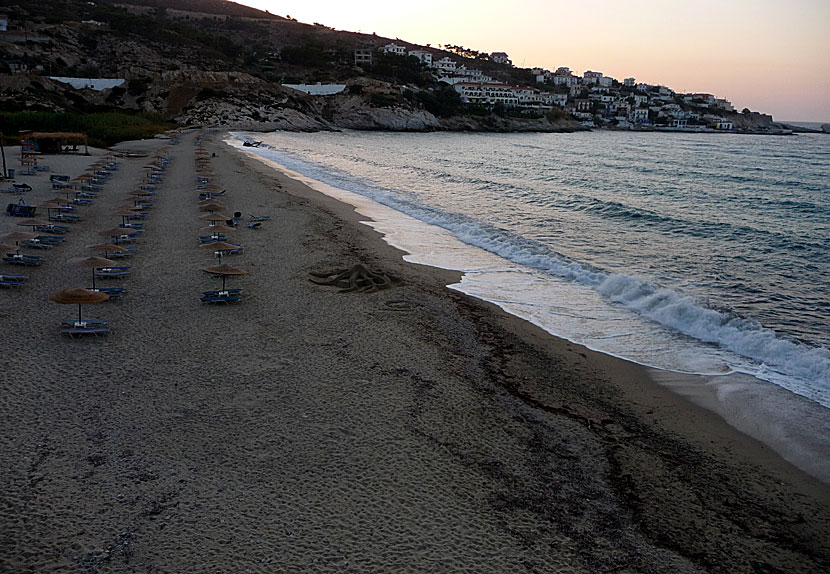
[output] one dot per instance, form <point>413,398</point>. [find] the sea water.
<point>694,253</point>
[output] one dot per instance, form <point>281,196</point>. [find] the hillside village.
<point>212,62</point>
<point>593,98</point>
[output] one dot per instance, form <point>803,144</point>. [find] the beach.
<point>412,429</point>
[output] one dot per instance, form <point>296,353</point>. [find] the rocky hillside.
<point>212,62</point>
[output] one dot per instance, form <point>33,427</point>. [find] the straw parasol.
<point>223,271</point>
<point>212,205</point>
<point>33,223</point>
<point>6,247</point>
<point>17,237</point>
<point>77,296</point>
<point>220,247</point>
<point>116,232</point>
<point>93,262</point>
<point>107,248</point>
<point>216,229</point>
<point>214,217</point>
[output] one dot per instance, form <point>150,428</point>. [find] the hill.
<point>220,63</point>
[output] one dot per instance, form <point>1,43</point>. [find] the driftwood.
<point>357,279</point>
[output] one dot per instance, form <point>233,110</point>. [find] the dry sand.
<point>303,430</point>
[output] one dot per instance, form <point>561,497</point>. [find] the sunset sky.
<point>772,56</point>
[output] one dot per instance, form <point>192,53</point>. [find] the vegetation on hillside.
<point>103,129</point>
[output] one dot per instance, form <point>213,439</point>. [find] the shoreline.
<point>414,429</point>
<point>757,408</point>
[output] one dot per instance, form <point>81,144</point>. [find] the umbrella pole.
<point>79,313</point>
<point>223,282</point>
<point>93,278</point>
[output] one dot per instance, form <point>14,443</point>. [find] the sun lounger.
<point>80,201</point>
<point>89,187</point>
<point>86,195</point>
<point>59,177</point>
<point>20,259</point>
<point>220,298</point>
<point>20,210</point>
<point>219,293</point>
<point>38,244</point>
<point>260,217</point>
<point>85,331</point>
<point>41,168</point>
<point>84,323</point>
<point>212,238</point>
<point>51,239</point>
<point>65,218</point>
<point>112,272</point>
<point>5,282</point>
<point>61,229</point>
<point>6,277</point>
<point>113,292</point>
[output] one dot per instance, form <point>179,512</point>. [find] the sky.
<point>772,56</point>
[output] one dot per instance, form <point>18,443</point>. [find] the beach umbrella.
<point>125,212</point>
<point>6,247</point>
<point>116,232</point>
<point>212,205</point>
<point>17,237</point>
<point>214,217</point>
<point>93,262</point>
<point>223,271</point>
<point>107,248</point>
<point>220,247</point>
<point>77,296</point>
<point>217,229</point>
<point>33,223</point>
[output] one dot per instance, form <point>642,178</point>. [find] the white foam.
<point>618,314</point>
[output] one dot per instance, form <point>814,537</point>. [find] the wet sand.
<point>409,430</point>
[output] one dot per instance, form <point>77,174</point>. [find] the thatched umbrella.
<point>77,296</point>
<point>92,262</point>
<point>214,217</point>
<point>223,271</point>
<point>220,247</point>
<point>124,213</point>
<point>212,205</point>
<point>116,232</point>
<point>6,247</point>
<point>33,223</point>
<point>107,248</point>
<point>17,237</point>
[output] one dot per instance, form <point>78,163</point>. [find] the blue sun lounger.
<point>228,298</point>
<point>37,243</point>
<point>85,331</point>
<point>22,259</point>
<point>113,292</point>
<point>112,272</point>
<point>12,280</point>
<point>20,210</point>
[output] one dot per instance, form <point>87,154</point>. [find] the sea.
<point>705,254</point>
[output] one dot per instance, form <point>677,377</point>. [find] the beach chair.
<point>112,272</point>
<point>22,259</point>
<point>219,292</point>
<point>59,177</point>
<point>51,228</point>
<point>20,210</point>
<point>18,188</point>
<point>212,238</point>
<point>85,331</point>
<point>86,195</point>
<point>259,217</point>
<point>113,292</point>
<point>65,217</point>
<point>221,297</point>
<point>38,244</point>
<point>13,280</point>
<point>92,188</point>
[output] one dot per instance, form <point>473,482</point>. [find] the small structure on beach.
<point>52,142</point>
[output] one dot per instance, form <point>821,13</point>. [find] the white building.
<point>363,56</point>
<point>629,82</point>
<point>724,104</point>
<point>317,89</point>
<point>500,58</point>
<point>605,81</point>
<point>445,65</point>
<point>551,99</point>
<point>97,84</point>
<point>722,125</point>
<point>590,78</point>
<point>424,57</point>
<point>487,94</point>
<point>640,115</point>
<point>394,49</point>
<point>564,77</point>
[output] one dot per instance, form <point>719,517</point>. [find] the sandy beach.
<point>412,429</point>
